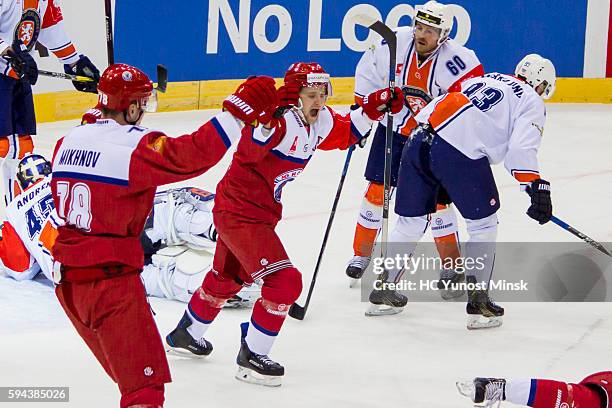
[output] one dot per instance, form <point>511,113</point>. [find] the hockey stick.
<point>110,48</point>
<point>162,78</point>
<point>296,311</point>
<point>580,235</point>
<point>61,75</point>
<point>391,39</point>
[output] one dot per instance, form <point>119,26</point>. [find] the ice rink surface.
<point>338,357</point>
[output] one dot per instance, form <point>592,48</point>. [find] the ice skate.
<point>180,342</point>
<point>386,302</point>
<point>449,284</point>
<point>484,392</point>
<point>482,312</point>
<point>356,268</point>
<point>257,368</point>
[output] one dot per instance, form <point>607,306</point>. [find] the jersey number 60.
<point>78,212</point>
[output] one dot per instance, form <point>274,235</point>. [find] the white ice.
<point>338,357</point>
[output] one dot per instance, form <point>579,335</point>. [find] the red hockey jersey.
<point>104,181</point>
<point>264,163</point>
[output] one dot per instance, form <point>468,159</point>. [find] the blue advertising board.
<point>231,39</point>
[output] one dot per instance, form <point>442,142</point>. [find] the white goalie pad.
<point>184,216</point>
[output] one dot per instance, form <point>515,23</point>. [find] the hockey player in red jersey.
<point>23,24</point>
<point>592,392</point>
<point>103,184</point>
<point>248,208</point>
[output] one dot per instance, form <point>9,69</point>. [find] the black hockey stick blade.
<point>162,78</point>
<point>378,26</point>
<point>297,312</point>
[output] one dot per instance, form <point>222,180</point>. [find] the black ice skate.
<point>450,284</point>
<point>482,312</point>
<point>483,391</point>
<point>257,368</point>
<point>386,302</point>
<point>180,342</point>
<point>357,266</point>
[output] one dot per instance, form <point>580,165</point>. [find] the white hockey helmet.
<point>435,15</point>
<point>536,70</point>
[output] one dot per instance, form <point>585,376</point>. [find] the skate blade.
<point>181,352</point>
<point>353,282</point>
<point>451,294</point>
<point>466,388</point>
<point>252,377</point>
<point>383,310</point>
<point>475,322</point>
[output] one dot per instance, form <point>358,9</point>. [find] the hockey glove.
<point>254,102</point>
<point>377,103</point>
<point>92,115</point>
<point>541,205</point>
<point>84,67</point>
<point>22,62</point>
<point>288,96</point>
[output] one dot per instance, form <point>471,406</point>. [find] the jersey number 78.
<point>77,212</point>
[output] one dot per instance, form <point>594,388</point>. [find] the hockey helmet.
<point>122,84</point>
<point>31,169</point>
<point>436,15</point>
<point>536,70</point>
<point>309,74</point>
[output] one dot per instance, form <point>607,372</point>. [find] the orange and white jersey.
<point>495,116</point>
<point>32,21</point>
<point>442,72</point>
<point>29,232</point>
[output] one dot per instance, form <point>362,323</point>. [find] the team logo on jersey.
<point>416,98</point>
<point>282,179</point>
<point>28,28</point>
<point>148,371</point>
<point>493,202</point>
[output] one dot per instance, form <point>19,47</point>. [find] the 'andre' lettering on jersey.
<point>32,193</point>
<point>76,157</point>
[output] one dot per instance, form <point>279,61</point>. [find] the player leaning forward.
<point>429,64</point>
<point>248,207</point>
<point>494,118</point>
<point>103,184</point>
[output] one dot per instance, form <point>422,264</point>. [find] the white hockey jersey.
<point>495,116</point>
<point>31,215</point>
<point>442,72</point>
<point>34,21</point>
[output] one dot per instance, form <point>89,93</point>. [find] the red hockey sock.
<point>207,301</point>
<point>556,394</point>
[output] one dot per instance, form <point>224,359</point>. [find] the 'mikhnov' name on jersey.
<point>77,157</point>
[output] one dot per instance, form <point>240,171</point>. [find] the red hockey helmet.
<point>309,74</point>
<point>122,84</point>
<point>601,382</point>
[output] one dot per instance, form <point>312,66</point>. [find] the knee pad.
<point>409,229</point>
<point>483,230</point>
<point>444,222</point>
<point>282,287</point>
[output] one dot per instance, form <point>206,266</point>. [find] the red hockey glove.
<point>254,101</point>
<point>288,96</point>
<point>92,115</point>
<point>377,103</point>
